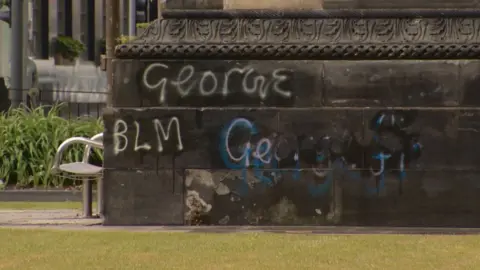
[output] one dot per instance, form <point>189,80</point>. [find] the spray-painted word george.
<point>208,83</point>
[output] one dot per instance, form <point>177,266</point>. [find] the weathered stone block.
<point>143,197</point>
<point>398,83</point>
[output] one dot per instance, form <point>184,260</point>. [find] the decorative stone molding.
<point>394,34</point>
<point>272,4</point>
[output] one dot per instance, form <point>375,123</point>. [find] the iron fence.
<point>73,104</point>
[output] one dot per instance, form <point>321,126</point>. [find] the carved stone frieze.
<point>320,38</point>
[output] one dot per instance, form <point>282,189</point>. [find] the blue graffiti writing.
<point>241,148</point>
<point>244,154</point>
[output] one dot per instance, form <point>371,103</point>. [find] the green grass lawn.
<point>41,205</point>
<point>42,249</point>
<point>49,249</point>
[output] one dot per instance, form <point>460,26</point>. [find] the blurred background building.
<point>83,20</point>
<point>84,84</point>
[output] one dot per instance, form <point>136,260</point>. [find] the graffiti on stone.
<point>361,150</point>
<point>260,169</point>
<point>190,81</point>
<point>197,83</point>
<point>165,131</point>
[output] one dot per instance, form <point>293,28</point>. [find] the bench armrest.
<point>89,143</point>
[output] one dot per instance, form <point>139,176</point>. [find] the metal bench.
<point>83,170</point>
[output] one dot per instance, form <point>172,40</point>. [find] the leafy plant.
<point>124,39</point>
<point>142,25</point>
<point>29,140</point>
<point>68,47</point>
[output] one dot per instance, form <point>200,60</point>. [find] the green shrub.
<point>68,47</point>
<point>29,139</point>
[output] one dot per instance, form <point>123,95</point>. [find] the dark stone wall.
<point>293,142</point>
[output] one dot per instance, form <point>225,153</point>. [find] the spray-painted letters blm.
<point>166,131</point>
<point>171,83</point>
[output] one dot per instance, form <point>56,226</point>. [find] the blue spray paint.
<point>242,162</point>
<point>381,174</point>
<point>380,120</point>
<point>402,173</point>
<point>259,156</point>
<point>259,163</point>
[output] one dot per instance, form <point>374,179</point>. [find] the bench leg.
<point>100,197</point>
<point>87,198</point>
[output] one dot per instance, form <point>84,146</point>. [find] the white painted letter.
<point>119,132</point>
<point>279,79</point>
<point>160,84</point>
<point>137,147</point>
<point>190,70</point>
<point>205,75</point>
<point>260,84</point>
<point>166,135</point>
<point>225,90</point>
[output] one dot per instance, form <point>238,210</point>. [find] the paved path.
<point>41,195</point>
<point>44,217</point>
<point>71,220</point>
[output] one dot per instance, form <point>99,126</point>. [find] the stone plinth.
<point>296,118</point>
